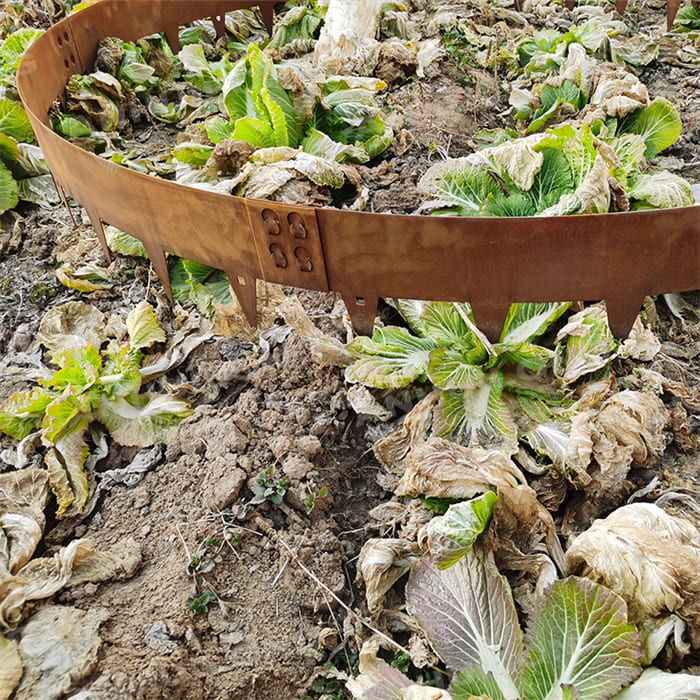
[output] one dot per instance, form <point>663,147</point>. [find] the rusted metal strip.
<point>488,262</point>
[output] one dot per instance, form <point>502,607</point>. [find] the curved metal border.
<point>489,262</point>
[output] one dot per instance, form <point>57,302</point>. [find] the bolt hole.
<point>359,301</point>
<point>59,41</point>
<point>66,64</point>
<point>72,59</point>
<point>65,36</point>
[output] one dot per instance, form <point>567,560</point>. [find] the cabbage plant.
<point>90,385</point>
<point>578,645</point>
<point>490,395</point>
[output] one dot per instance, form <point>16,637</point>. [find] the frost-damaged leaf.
<point>452,535</point>
<point>381,564</point>
<point>71,325</point>
<point>459,186</point>
<point>525,322</point>
<point>630,424</point>
<point>477,417</point>
<point>654,683</point>
<point>580,637</point>
<point>142,326</point>
<point>594,191</point>
<point>468,614</point>
<point>65,462</point>
<point>376,680</point>
<point>23,498</point>
<point>392,358</point>
<point>584,345</point>
<point>648,557</point>
<point>441,469</point>
<point>11,668</point>
<point>75,564</point>
<point>518,160</point>
<point>659,191</point>
<point>143,419</point>
<point>324,348</point>
<point>84,279</point>
<point>659,125</point>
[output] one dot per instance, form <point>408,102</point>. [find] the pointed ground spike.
<point>362,311</point>
<point>268,12</point>
<point>621,6</point>
<point>570,4</point>
<point>160,265</point>
<point>622,313</point>
<point>490,317</point>
<point>245,290</point>
<point>173,35</point>
<point>671,12</point>
<point>64,199</point>
<point>100,233</point>
<point>220,25</point>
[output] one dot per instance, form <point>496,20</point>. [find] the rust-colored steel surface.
<point>489,262</point>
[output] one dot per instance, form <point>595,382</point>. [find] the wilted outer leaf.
<point>585,344</point>
<point>580,637</point>
<point>11,668</point>
<point>324,348</point>
<point>519,160</point>
<point>23,497</point>
<point>71,325</point>
<point>381,564</point>
<point>630,428</point>
<point>142,420</point>
<point>659,684</point>
<point>376,680</point>
<point>662,190</point>
<point>83,279</point>
<point>641,343</point>
<point>594,191</point>
<point>458,183</point>
<point>452,535</point>
<point>468,614</point>
<point>73,565</point>
<point>59,646</point>
<point>65,461</point>
<point>648,557</point>
<point>142,326</point>
<point>441,469</point>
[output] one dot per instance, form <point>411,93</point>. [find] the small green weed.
<point>269,488</point>
<point>200,605</point>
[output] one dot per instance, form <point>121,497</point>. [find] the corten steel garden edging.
<point>490,262</point>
